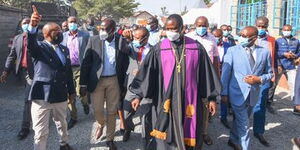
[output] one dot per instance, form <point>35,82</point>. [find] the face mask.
<point>225,33</point>
<point>172,36</point>
<point>58,39</point>
<point>103,35</point>
<point>244,41</point>
<point>25,27</point>
<point>218,41</point>
<point>201,31</point>
<point>72,26</point>
<point>261,32</point>
<point>286,33</point>
<point>148,27</point>
<point>136,44</point>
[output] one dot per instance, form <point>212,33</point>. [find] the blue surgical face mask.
<point>244,41</point>
<point>136,44</point>
<point>286,33</point>
<point>218,40</point>
<point>72,26</point>
<point>148,27</point>
<point>225,33</point>
<point>262,32</point>
<point>25,27</point>
<point>201,31</point>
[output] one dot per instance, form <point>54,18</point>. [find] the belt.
<point>75,65</point>
<point>108,76</point>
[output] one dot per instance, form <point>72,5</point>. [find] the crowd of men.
<point>175,75</point>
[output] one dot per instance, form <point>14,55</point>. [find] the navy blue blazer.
<point>53,80</point>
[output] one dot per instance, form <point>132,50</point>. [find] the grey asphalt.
<point>280,128</point>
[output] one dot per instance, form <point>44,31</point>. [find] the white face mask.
<point>172,36</point>
<point>103,35</point>
<point>286,33</point>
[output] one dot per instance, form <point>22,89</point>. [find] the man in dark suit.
<point>103,72</point>
<point>76,41</point>
<point>20,60</point>
<point>52,83</point>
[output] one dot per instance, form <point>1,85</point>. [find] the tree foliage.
<point>105,8</point>
<point>24,4</point>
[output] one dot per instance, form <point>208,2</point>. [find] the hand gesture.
<point>128,34</point>
<point>35,17</point>
<point>252,79</point>
<point>135,104</point>
<point>212,106</point>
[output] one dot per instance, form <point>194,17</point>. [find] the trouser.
<point>205,117</point>
<point>108,91</point>
<point>239,133</point>
<point>145,118</point>
<point>84,100</point>
<point>41,111</point>
<point>27,104</point>
<point>297,87</point>
<point>291,75</point>
<point>259,118</point>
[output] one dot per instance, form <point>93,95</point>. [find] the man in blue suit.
<point>52,82</point>
<point>76,41</point>
<point>245,68</point>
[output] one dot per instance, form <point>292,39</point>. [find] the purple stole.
<point>168,63</point>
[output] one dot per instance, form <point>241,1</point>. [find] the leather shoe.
<point>296,141</point>
<point>234,146</point>
<point>126,135</point>
<point>207,140</point>
<point>99,132</point>
<point>86,109</point>
<point>270,109</point>
<point>71,123</point>
<point>296,111</point>
<point>225,123</point>
<point>111,145</point>
<point>23,133</point>
<point>262,139</point>
<point>66,147</point>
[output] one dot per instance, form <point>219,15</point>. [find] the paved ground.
<point>280,127</point>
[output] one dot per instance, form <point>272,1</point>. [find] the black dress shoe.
<point>262,139</point>
<point>71,123</point>
<point>207,140</point>
<point>126,135</point>
<point>111,145</point>
<point>86,109</point>
<point>234,146</point>
<point>23,133</point>
<point>66,147</point>
<point>225,123</point>
<point>271,109</point>
<point>296,111</point>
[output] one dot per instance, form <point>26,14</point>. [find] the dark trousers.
<point>260,110</point>
<point>273,86</point>
<point>27,104</point>
<point>145,117</point>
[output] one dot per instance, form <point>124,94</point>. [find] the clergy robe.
<point>177,92</point>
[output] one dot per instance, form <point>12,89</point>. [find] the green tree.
<point>207,1</point>
<point>22,3</point>
<point>105,8</point>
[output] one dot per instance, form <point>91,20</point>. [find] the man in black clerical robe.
<point>177,74</point>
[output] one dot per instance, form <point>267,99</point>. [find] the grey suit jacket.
<point>83,38</point>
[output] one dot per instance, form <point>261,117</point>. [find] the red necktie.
<point>140,53</point>
<point>24,51</point>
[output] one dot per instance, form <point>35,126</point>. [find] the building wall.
<point>9,20</point>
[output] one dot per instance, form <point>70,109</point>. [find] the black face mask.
<point>58,39</point>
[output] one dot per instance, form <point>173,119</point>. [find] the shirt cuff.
<point>31,29</point>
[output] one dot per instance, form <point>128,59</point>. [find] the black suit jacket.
<point>14,58</point>
<point>53,80</point>
<point>92,64</point>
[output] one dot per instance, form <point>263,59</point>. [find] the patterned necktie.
<point>250,57</point>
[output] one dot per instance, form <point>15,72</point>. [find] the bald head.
<point>201,21</point>
<point>249,32</point>
<point>51,31</point>
<point>218,33</point>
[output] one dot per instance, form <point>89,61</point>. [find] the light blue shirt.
<point>56,48</point>
<point>109,58</point>
<point>263,42</point>
<point>154,37</point>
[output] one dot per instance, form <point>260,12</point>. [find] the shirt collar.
<point>73,35</point>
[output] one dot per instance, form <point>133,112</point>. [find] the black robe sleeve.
<point>144,85</point>
<point>209,81</point>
